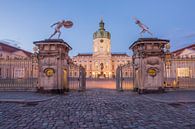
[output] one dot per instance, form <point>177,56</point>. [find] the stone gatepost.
<point>53,65</point>
<point>148,64</point>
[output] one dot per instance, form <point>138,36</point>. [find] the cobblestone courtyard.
<point>96,109</point>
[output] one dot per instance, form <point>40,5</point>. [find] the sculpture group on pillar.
<point>142,26</point>
<point>58,25</point>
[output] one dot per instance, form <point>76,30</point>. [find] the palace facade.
<point>102,63</point>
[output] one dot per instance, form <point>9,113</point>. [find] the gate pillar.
<point>148,63</point>
<point>53,65</point>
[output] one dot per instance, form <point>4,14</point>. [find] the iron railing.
<point>18,74</point>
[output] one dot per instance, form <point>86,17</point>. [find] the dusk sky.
<point>26,21</point>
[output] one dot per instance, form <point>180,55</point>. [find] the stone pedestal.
<point>53,65</point>
<point>148,63</point>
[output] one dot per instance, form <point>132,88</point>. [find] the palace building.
<point>183,63</point>
<point>102,63</point>
<point>16,62</point>
<point>8,51</point>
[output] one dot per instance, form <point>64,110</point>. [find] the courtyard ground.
<point>98,109</point>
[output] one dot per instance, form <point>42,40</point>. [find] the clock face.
<point>101,40</point>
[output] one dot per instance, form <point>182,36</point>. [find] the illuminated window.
<point>183,72</point>
<point>193,56</point>
<point>95,49</point>
<point>112,67</point>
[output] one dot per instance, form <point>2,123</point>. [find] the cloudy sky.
<point>25,21</point>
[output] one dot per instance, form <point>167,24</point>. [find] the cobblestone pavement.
<point>23,96</point>
<point>98,109</point>
<point>174,96</point>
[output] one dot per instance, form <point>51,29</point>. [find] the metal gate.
<point>77,78</point>
<point>124,77</point>
<point>18,74</point>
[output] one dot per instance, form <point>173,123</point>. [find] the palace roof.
<point>8,48</point>
<point>179,51</point>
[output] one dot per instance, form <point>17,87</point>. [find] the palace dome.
<point>101,33</point>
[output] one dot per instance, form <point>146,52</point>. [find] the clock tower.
<point>102,63</point>
<point>101,41</point>
<point>101,53</point>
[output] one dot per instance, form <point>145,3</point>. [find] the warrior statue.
<point>59,25</point>
<point>142,26</point>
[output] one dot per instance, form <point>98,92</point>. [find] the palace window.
<point>183,72</point>
<point>90,67</point>
<point>95,49</point>
<point>193,56</point>
<point>126,74</point>
<point>101,49</point>
<point>52,47</point>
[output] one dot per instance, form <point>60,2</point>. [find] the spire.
<point>101,24</point>
<point>101,19</point>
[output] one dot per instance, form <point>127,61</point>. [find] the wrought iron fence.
<point>180,73</point>
<point>18,74</point>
